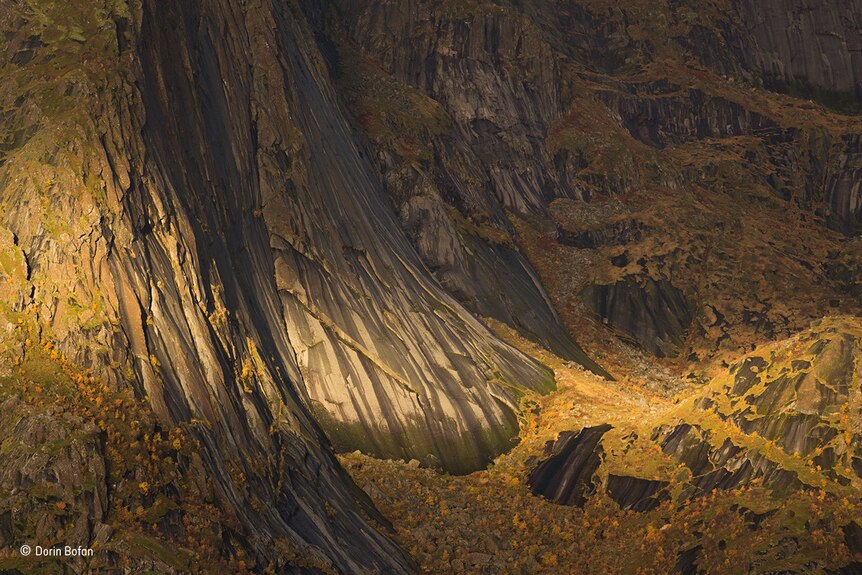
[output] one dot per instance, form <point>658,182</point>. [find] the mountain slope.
<point>750,472</point>
<point>650,191</point>
<point>195,220</point>
<point>237,237</point>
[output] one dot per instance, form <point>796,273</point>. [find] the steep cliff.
<point>457,143</point>
<point>797,47</point>
<point>503,126</point>
<point>151,270</point>
<point>388,361</point>
<point>190,214</point>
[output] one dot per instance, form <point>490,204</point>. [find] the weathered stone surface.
<point>635,493</point>
<point>796,45</point>
<point>844,187</point>
<point>655,313</point>
<point>194,205</point>
<point>457,146</point>
<point>52,476</point>
<point>566,477</point>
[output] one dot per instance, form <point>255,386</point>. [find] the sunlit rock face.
<point>229,251</point>
<point>387,361</point>
<point>277,224</point>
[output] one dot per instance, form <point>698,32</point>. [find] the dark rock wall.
<point>488,157</point>
<point>536,102</point>
<point>844,187</point>
<point>229,251</point>
<point>655,313</point>
<point>801,45</point>
<point>198,299</point>
<point>566,477</point>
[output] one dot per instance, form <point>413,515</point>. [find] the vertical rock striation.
<point>798,46</point>
<point>208,229</point>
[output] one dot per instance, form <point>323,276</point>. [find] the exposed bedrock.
<point>567,476</point>
<point>635,493</point>
<point>663,114</point>
<point>782,423</point>
<point>791,46</point>
<point>232,249</point>
<point>480,267</point>
<point>189,163</point>
<point>499,113</point>
<point>390,362</point>
<point>808,164</point>
<point>723,466</point>
<point>386,360</point>
<point>463,146</point>
<point>655,314</point>
<point>570,474</point>
<point>844,187</point>
<point>686,563</point>
<point>618,233</point>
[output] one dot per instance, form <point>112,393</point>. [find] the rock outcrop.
<point>796,46</point>
<point>655,313</point>
<point>53,474</point>
<point>198,219</point>
<point>844,187</point>
<point>566,477</point>
<point>780,419</point>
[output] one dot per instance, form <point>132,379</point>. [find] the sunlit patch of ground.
<point>489,522</point>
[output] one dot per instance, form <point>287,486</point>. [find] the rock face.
<point>155,272</point>
<point>482,118</point>
<point>277,222</point>
<point>798,46</point>
<point>389,362</point>
<point>230,252</point>
<point>656,314</point>
<point>844,188</point>
<point>458,144</point>
<point>634,493</point>
<point>567,476</point>
<point>780,418</point>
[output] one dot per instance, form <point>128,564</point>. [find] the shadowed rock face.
<point>634,493</point>
<point>797,46</point>
<point>459,151</point>
<point>483,118</point>
<point>194,205</point>
<point>189,275</point>
<point>567,476</point>
<point>240,265</point>
<point>844,190</point>
<point>656,314</point>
